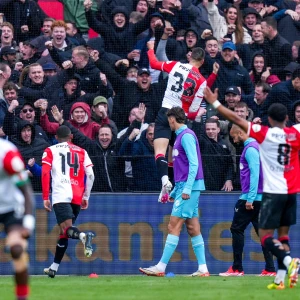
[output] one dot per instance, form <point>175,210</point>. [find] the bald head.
<point>238,134</point>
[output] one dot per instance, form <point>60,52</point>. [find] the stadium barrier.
<point>130,232</point>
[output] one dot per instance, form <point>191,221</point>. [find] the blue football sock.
<point>199,250</point>
<point>170,246</point>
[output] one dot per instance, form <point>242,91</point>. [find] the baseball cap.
<point>250,11</point>
<point>229,45</point>
<point>49,66</point>
<point>233,90</point>
<point>291,67</point>
<point>8,50</point>
<point>143,70</point>
<point>99,99</point>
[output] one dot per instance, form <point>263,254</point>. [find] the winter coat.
<point>119,41</point>
<point>88,127</point>
<point>144,170</point>
<point>108,167</point>
<point>28,13</point>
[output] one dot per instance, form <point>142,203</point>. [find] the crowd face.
<point>36,74</point>
<point>105,137</point>
<point>119,20</point>
<point>211,48</point>
<point>11,59</point>
<point>46,29</point>
<point>144,81</point>
<point>142,7</point>
<point>150,135</point>
<point>191,39</point>
<point>59,36</point>
<point>228,55</point>
<point>10,95</point>
<point>77,59</point>
<point>98,109</point>
<point>152,22</point>
<point>250,21</point>
<point>27,113</point>
<point>231,15</point>
<point>27,52</point>
<point>26,134</point>
<point>212,130</point>
<point>78,115</point>
<point>256,5</point>
<point>6,36</point>
<point>265,29</point>
<point>50,72</point>
<point>232,99</point>
<point>258,64</point>
<point>71,30</point>
<point>132,115</point>
<point>260,96</point>
<point>257,34</point>
<point>297,114</point>
<point>132,74</point>
<point>242,112</point>
<point>71,86</point>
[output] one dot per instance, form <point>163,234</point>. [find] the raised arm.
<point>212,98</point>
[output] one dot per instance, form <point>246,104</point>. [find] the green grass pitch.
<point>144,288</point>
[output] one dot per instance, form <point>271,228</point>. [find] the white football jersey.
<point>68,163</point>
<point>11,166</point>
<point>279,154</point>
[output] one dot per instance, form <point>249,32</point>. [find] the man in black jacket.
<point>216,158</point>
<point>130,94</point>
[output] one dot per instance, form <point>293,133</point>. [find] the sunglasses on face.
<point>25,110</point>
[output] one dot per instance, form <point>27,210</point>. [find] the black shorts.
<point>9,219</point>
<point>277,210</point>
<point>162,128</point>
<point>66,211</point>
<point>243,217</point>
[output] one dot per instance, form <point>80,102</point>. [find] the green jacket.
<point>74,12</point>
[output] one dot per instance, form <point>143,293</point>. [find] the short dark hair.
<point>63,132</point>
<point>198,54</point>
<point>277,112</point>
<point>213,121</point>
<point>178,113</point>
<point>210,38</point>
<point>270,22</point>
<point>8,86</point>
<point>266,88</point>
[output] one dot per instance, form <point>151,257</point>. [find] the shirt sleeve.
<point>252,157</point>
<point>189,145</point>
<point>257,132</point>
<point>160,65</point>
<point>47,157</point>
<point>193,110</point>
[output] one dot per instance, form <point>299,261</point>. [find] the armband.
<point>216,104</point>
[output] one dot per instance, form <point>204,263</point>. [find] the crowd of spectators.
<point>103,89</point>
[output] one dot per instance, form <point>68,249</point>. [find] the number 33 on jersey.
<point>185,87</point>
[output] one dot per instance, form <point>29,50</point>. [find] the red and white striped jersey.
<point>68,164</point>
<point>185,85</point>
<point>279,154</point>
<point>11,168</point>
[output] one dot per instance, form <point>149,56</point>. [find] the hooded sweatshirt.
<point>88,127</point>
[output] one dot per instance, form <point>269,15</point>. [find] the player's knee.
<point>16,251</point>
<point>20,258</point>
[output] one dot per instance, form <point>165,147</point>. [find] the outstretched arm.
<point>212,98</point>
